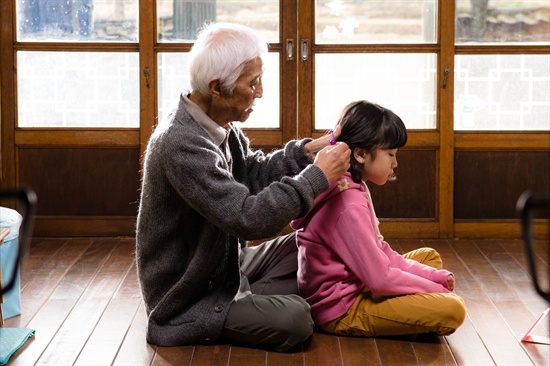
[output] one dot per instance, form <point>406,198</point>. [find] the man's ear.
<point>215,88</point>
<point>360,154</point>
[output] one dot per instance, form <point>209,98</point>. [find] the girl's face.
<point>378,167</point>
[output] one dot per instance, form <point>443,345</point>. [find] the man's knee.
<point>297,319</point>
<point>277,322</point>
<point>293,324</point>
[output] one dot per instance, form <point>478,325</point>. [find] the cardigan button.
<point>218,308</point>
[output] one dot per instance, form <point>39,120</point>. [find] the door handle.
<point>304,49</point>
<point>289,49</point>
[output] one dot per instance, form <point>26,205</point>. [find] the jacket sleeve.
<point>355,240</point>
<point>412,266</point>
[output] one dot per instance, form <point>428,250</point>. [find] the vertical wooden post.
<point>288,60</point>
<point>445,69</point>
<point>8,177</point>
<point>306,87</point>
<point>148,72</point>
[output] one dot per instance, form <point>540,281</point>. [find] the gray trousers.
<point>267,312</point>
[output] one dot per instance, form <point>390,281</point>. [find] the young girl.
<point>353,280</point>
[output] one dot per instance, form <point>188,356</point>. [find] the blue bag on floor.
<point>11,220</point>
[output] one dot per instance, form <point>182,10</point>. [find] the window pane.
<point>179,20</point>
<point>77,20</point>
<point>502,92</point>
<point>77,89</point>
<point>404,83</point>
<point>174,79</point>
<point>502,21</point>
<point>375,21</point>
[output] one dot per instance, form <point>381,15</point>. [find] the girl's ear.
<point>360,154</point>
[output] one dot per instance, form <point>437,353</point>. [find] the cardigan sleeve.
<point>261,169</point>
<point>197,169</point>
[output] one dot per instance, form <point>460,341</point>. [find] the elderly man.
<point>205,192</point>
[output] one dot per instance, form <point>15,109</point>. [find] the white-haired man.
<point>205,192</point>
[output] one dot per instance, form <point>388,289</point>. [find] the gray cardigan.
<point>195,212</point>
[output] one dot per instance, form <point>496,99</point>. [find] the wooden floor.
<point>81,296</point>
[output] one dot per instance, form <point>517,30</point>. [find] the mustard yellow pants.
<point>372,315</point>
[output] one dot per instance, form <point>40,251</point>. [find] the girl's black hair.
<point>369,126</point>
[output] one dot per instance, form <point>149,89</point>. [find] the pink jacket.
<point>341,252</point>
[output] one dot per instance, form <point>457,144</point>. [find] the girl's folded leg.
<point>372,315</point>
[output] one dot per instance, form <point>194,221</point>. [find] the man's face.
<point>248,87</point>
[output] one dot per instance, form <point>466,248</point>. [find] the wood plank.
<point>483,305</point>
<point>516,248</point>
<point>412,228</point>
<point>434,352</point>
<point>59,305</point>
<point>396,352</point>
<point>467,140</point>
<point>167,356</point>
<point>359,351</point>
<point>135,350</point>
<point>246,356</point>
<point>290,358</point>
<point>44,274</point>
<point>115,322</point>
<point>211,355</point>
<point>518,309</point>
<point>517,251</point>
<point>42,252</point>
<point>77,137</point>
<point>517,277</point>
<point>466,344</point>
<point>322,350</point>
<point>71,337</point>
<point>111,329</point>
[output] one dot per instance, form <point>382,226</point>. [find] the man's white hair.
<point>220,51</point>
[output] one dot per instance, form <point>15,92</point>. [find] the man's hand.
<point>333,160</point>
<point>313,147</point>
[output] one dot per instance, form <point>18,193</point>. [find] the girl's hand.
<point>313,147</point>
<point>451,282</point>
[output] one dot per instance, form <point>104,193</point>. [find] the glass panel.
<point>404,83</point>
<point>77,89</point>
<point>502,92</point>
<point>502,21</point>
<point>179,20</point>
<point>375,21</point>
<point>77,20</point>
<point>174,79</point>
